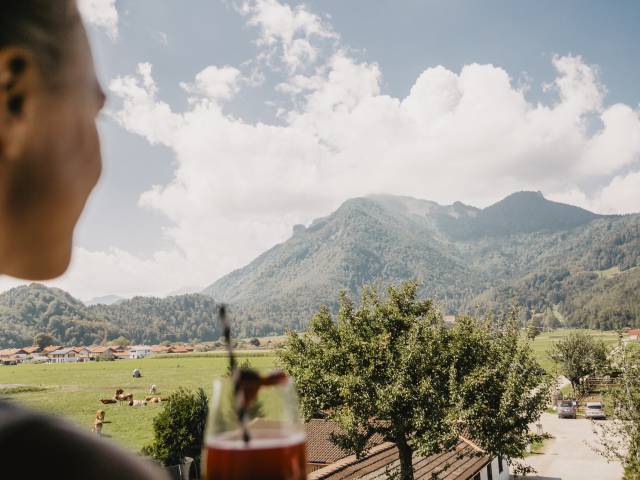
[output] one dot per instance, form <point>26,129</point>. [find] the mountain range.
<point>566,264</point>
<point>524,250</point>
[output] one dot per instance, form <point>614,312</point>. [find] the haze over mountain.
<point>464,256</point>
<point>104,300</point>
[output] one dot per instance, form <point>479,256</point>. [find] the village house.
<point>51,348</point>
<point>158,349</point>
<point>32,349</point>
<point>104,353</point>
<point>63,355</point>
<point>139,351</point>
<point>82,354</point>
<point>633,334</point>
<point>12,356</point>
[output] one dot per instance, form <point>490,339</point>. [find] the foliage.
<point>120,342</point>
<point>620,437</point>
<point>391,367</point>
<point>35,309</point>
<point>179,428</point>
<point>43,340</point>
<point>579,355</point>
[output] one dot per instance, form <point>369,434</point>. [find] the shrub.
<point>179,428</point>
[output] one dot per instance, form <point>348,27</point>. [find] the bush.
<point>179,429</point>
<point>255,342</point>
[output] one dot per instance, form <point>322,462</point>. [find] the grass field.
<point>543,342</point>
<point>72,390</point>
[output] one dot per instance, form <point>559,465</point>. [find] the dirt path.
<point>569,456</point>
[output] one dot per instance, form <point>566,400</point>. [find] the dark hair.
<point>42,26</point>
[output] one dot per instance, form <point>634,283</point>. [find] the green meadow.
<point>73,390</point>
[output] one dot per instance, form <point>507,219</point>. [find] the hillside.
<point>523,250</point>
<point>28,310</point>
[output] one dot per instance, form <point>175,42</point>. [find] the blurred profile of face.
<point>49,156</point>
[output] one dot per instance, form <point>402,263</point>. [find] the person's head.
<point>49,147</point>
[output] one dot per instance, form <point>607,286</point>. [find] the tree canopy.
<point>390,366</point>
<point>579,355</point>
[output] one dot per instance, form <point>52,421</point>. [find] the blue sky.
<point>228,122</point>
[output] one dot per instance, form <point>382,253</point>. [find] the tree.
<point>579,355</point>
<point>179,428</point>
<point>120,342</point>
<point>532,331</point>
<point>391,367</point>
<point>43,340</point>
<point>620,438</point>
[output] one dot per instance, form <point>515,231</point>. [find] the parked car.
<point>595,410</point>
<point>567,409</point>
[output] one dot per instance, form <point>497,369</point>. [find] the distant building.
<point>32,349</point>
<point>51,348</point>
<point>449,319</point>
<point>63,355</point>
<point>634,334</point>
<point>11,356</point>
<point>82,354</point>
<point>139,351</point>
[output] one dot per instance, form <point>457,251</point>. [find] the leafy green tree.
<point>620,438</point>
<point>179,428</point>
<point>391,367</point>
<point>120,342</point>
<point>532,331</point>
<point>43,340</point>
<point>579,355</point>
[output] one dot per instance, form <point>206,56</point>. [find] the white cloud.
<point>288,32</point>
<point>215,83</point>
<point>101,13</point>
<point>470,135</point>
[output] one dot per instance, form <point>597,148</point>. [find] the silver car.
<point>566,409</point>
<point>594,410</point>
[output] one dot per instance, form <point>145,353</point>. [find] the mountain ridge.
<point>457,251</point>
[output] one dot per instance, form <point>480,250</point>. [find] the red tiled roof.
<point>11,351</point>
<point>52,348</point>
<point>460,463</point>
<point>634,331</point>
<point>98,349</point>
<point>320,448</point>
<point>32,349</point>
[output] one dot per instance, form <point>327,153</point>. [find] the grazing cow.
<point>121,397</point>
<point>151,399</point>
<point>153,389</point>
<point>97,422</point>
<point>137,403</point>
<point>107,401</point>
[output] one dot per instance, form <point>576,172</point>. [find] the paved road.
<point>568,455</point>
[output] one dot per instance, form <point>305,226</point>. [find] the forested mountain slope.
<point>29,310</point>
<point>523,250</point>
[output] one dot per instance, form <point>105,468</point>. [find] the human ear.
<point>19,79</point>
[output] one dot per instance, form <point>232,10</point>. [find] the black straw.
<point>236,375</point>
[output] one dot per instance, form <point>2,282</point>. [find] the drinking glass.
<point>270,446</point>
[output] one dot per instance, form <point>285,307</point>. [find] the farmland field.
<point>72,390</point>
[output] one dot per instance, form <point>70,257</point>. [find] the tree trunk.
<point>406,455</point>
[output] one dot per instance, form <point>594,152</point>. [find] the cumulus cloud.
<point>215,83</point>
<point>469,135</point>
<point>101,13</point>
